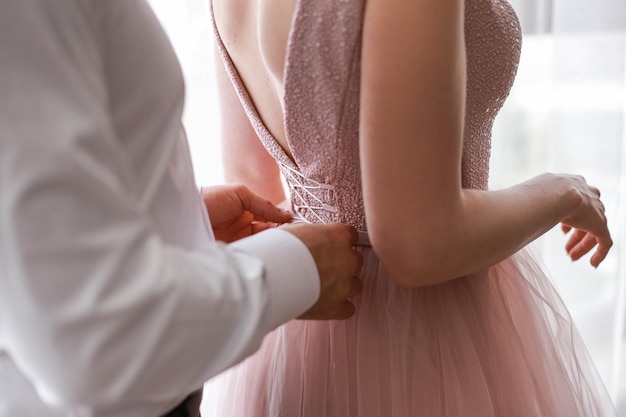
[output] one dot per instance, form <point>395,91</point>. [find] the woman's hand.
<point>236,212</point>
<point>587,223</point>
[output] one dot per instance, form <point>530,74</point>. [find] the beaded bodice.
<point>321,101</point>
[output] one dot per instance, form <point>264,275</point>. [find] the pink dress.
<point>496,344</point>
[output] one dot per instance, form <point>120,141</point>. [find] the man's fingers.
<point>354,288</point>
<point>345,232</point>
<point>359,261</point>
<point>261,207</point>
<point>353,235</point>
<point>345,311</point>
<point>260,226</point>
<point>332,247</point>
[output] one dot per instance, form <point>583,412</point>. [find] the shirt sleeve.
<point>95,308</point>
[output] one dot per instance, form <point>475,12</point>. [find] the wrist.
<point>569,194</point>
<point>574,198</point>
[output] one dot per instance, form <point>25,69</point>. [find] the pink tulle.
<point>499,343</point>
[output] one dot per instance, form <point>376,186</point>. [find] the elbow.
<point>90,387</point>
<point>64,380</point>
<point>65,392</point>
<point>410,263</point>
<point>419,246</point>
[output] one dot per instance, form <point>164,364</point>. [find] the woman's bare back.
<point>255,34</point>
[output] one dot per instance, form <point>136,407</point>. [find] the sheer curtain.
<point>189,29</point>
<point>566,113</point>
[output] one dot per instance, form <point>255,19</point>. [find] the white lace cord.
<point>294,180</point>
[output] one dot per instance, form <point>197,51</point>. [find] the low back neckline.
<point>273,146</point>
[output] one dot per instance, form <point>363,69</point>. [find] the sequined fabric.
<point>322,101</point>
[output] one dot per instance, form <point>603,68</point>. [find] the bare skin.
<point>236,212</point>
<point>338,265</point>
<point>440,231</point>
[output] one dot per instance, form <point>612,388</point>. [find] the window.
<point>567,113</point>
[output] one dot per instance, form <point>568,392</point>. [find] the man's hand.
<point>236,212</point>
<point>338,265</point>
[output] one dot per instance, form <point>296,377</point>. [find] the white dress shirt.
<point>114,299</point>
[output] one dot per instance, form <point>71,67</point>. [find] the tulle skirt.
<point>495,344</point>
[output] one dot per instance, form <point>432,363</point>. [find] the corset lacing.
<point>303,189</point>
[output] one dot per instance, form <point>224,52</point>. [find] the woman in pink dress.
<point>378,114</point>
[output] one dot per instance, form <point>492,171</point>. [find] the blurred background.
<point>566,113</point>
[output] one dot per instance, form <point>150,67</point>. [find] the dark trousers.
<point>190,407</point>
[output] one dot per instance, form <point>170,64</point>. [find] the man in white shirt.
<point>115,300</point>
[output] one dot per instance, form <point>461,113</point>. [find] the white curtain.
<point>189,29</point>
<point>566,113</point>
<point>560,16</point>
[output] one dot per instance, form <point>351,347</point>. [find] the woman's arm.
<point>245,159</point>
<point>424,226</point>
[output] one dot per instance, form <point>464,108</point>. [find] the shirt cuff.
<point>291,275</point>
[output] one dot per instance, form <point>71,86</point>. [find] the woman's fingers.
<point>604,245</point>
<point>582,243</point>
<point>581,246</point>
<point>588,227</point>
<point>574,239</point>
<point>599,256</point>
